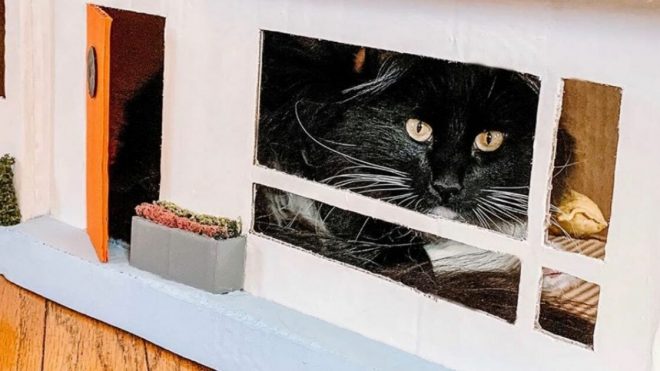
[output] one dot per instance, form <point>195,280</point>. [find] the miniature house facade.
<point>597,63</point>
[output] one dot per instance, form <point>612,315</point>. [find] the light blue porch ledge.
<point>229,332</point>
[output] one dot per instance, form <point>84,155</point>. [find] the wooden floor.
<point>37,334</point>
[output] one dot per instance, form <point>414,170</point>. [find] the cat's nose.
<point>447,188</point>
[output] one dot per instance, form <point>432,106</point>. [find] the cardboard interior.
<point>579,303</point>
<point>590,114</point>
<point>2,48</point>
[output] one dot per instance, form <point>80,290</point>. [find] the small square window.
<point>569,306</point>
<point>583,177</point>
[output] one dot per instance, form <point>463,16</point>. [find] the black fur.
<point>319,118</point>
<point>135,171</point>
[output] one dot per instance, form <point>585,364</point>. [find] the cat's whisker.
<point>357,237</point>
<point>486,220</point>
<point>348,157</point>
<point>515,212</point>
<point>489,211</point>
<point>506,211</point>
<point>387,170</point>
<point>398,197</point>
<point>518,207</point>
<point>411,201</point>
<point>340,143</point>
<point>507,193</point>
<point>360,184</point>
<point>373,190</point>
<point>376,177</point>
<point>511,201</point>
<point>480,221</point>
<point>519,204</point>
<point>554,209</point>
<point>345,183</point>
<point>328,214</point>
<point>512,187</point>
<point>555,223</point>
<point>406,201</point>
<point>566,165</point>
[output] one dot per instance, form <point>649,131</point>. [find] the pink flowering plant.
<point>170,215</point>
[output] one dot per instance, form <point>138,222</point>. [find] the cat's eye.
<point>419,130</point>
<point>489,141</point>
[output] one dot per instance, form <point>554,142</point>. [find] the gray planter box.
<point>217,266</point>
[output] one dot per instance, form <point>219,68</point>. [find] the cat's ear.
<point>359,60</point>
<point>376,71</point>
<point>367,61</point>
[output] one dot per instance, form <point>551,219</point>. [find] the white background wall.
<point>25,113</point>
<point>211,74</point>
<point>10,123</point>
<point>12,128</point>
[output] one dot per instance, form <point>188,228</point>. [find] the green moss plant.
<point>10,214</point>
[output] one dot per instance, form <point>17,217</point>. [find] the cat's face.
<point>445,139</point>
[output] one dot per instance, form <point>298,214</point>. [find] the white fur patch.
<point>450,256</point>
<point>444,212</point>
<point>289,208</point>
<point>557,284</point>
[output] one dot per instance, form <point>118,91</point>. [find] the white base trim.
<point>236,331</point>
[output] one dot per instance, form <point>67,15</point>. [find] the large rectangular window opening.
<point>480,279</point>
<point>445,139</point>
<point>125,103</point>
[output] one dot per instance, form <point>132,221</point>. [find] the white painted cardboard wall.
<point>25,112</point>
<point>211,77</point>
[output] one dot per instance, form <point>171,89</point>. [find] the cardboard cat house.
<point>76,72</point>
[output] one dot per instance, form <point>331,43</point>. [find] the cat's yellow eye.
<point>419,130</point>
<point>489,141</point>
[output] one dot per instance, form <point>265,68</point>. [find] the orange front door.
<point>98,118</point>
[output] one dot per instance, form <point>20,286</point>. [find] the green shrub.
<point>9,211</point>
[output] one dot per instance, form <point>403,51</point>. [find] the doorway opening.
<point>128,85</point>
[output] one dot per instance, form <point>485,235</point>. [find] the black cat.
<point>442,138</point>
